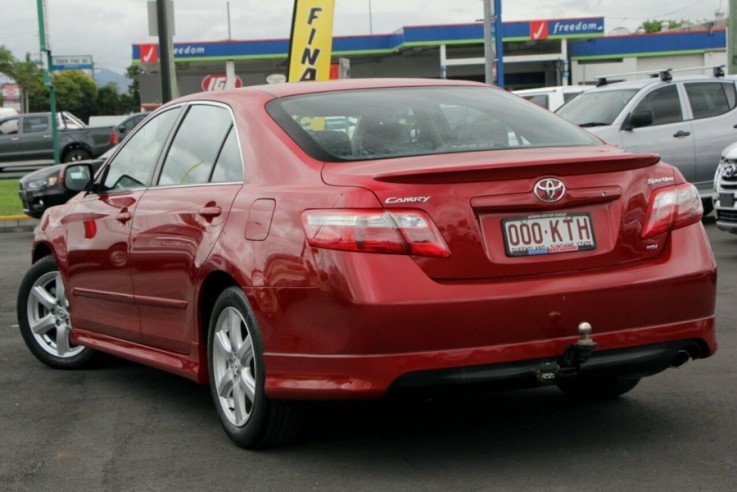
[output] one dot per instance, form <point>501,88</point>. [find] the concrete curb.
<point>17,223</point>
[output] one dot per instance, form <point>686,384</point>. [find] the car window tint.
<point>596,107</point>
<point>664,104</point>
<point>33,124</point>
<point>710,98</point>
<point>229,166</point>
<point>196,145</point>
<point>133,164</point>
<point>383,123</point>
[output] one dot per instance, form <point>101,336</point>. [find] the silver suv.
<point>687,120</point>
<point>725,187</point>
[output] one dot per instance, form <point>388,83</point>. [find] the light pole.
<point>732,38</point>
<point>493,46</point>
<point>371,19</point>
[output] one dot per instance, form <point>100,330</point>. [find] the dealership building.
<point>536,53</point>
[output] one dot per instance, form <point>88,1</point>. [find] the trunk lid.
<point>497,225</point>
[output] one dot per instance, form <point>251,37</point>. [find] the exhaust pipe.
<point>681,358</point>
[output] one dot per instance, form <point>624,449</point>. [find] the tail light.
<point>408,232</point>
<point>672,208</point>
<point>114,138</point>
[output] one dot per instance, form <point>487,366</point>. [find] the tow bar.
<point>575,355</point>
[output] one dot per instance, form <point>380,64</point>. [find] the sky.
<point>106,29</point>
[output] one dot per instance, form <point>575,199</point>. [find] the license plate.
<point>546,234</point>
<point>726,199</point>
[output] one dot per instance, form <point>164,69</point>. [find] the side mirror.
<point>122,129</point>
<point>638,119</point>
<point>77,177</point>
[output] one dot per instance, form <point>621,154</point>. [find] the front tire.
<point>43,316</point>
<point>596,389</point>
<point>236,367</point>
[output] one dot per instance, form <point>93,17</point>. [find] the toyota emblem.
<point>549,190</point>
<point>729,171</point>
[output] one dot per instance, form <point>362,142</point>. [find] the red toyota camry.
<point>348,239</point>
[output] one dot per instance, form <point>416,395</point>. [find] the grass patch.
<point>9,199</point>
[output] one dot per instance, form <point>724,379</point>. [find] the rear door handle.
<point>681,133</point>
<point>211,211</point>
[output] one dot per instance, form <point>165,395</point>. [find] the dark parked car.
<point>42,189</point>
<point>124,127</point>
<point>445,234</point>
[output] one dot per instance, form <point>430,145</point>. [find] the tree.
<point>28,76</point>
<point>76,92</point>
<point>108,100</point>
<point>133,99</point>
<point>7,61</point>
<point>654,25</point>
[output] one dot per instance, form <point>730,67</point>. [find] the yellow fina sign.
<point>311,42</point>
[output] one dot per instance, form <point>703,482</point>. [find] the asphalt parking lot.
<point>121,426</point>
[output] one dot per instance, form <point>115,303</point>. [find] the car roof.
<point>298,88</point>
<point>654,81</point>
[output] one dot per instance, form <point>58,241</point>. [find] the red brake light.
<point>672,208</point>
<point>114,138</point>
<point>375,231</point>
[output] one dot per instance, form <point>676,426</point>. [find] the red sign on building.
<point>539,30</point>
<point>149,53</point>
<point>217,82</point>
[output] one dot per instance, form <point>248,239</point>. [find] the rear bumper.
<point>639,353</point>
<point>359,337</point>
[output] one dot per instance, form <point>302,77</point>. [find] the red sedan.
<point>348,239</point>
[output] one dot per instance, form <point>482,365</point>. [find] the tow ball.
<point>575,355</point>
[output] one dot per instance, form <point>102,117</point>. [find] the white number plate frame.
<point>545,234</point>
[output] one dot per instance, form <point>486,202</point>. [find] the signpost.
<point>48,76</point>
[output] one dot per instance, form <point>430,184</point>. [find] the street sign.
<point>75,62</point>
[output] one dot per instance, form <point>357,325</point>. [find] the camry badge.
<point>549,190</point>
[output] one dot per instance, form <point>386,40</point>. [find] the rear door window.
<point>709,99</point>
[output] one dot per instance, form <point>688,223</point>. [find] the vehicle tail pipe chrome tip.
<point>681,358</point>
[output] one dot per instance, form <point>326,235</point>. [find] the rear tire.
<point>596,389</point>
<point>77,154</point>
<point>236,367</point>
<point>43,316</point>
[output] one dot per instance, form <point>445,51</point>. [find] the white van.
<point>5,112</point>
<point>551,98</point>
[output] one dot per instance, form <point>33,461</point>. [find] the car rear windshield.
<point>383,123</point>
<point>596,107</point>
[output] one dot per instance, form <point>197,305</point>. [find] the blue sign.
<point>81,62</point>
<point>573,27</point>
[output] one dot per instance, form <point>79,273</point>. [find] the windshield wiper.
<point>593,123</point>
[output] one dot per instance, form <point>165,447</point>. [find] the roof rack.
<point>666,75</point>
